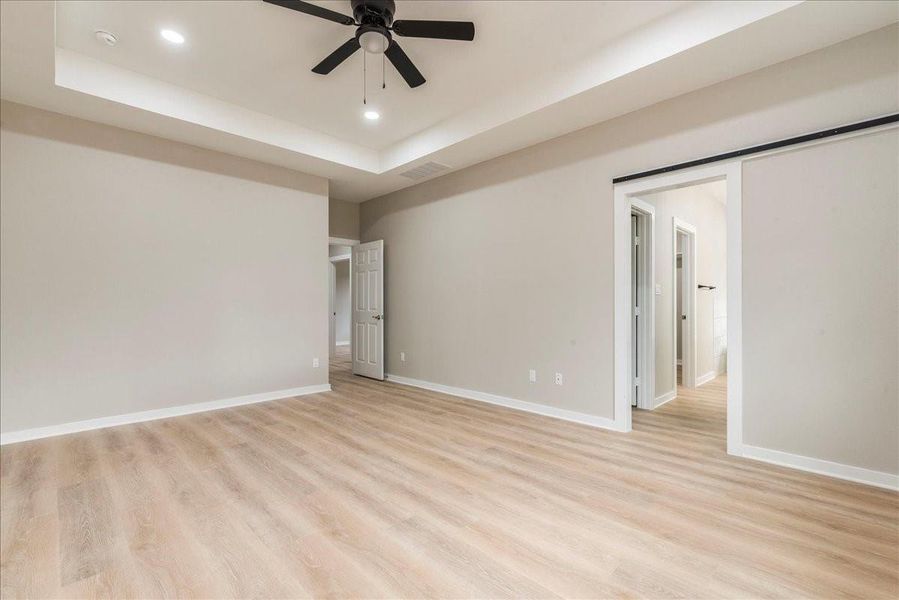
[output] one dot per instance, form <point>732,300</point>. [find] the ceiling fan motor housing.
<point>374,12</point>
<point>374,16</point>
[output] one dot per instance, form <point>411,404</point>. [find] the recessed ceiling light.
<point>372,115</point>
<point>172,36</point>
<point>105,37</point>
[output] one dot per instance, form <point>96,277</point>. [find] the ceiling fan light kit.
<point>372,40</point>
<point>375,29</point>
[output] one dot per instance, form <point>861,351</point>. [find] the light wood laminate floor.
<point>377,490</point>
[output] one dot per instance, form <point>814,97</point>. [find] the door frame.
<point>332,316</point>
<point>646,290</point>
<point>337,241</point>
<point>679,226</point>
<point>731,172</point>
<point>332,296</point>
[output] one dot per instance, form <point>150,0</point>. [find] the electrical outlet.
<point>532,376</point>
<point>315,363</point>
<point>402,357</point>
<point>658,289</point>
<point>558,379</point>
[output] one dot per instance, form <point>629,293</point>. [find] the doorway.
<point>356,309</point>
<point>730,328</point>
<point>683,317</point>
<point>339,306</point>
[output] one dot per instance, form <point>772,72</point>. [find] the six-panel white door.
<point>368,309</point>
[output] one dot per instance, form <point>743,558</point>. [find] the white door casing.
<point>368,309</point>
<point>624,194</point>
<point>643,305</point>
<point>687,325</point>
<point>332,320</point>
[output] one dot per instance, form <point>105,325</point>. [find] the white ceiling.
<point>241,83</point>
<point>259,56</point>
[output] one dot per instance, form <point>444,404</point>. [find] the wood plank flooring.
<point>377,490</point>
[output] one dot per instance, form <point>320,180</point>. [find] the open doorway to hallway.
<point>692,317</point>
<point>689,280</point>
<point>339,307</point>
<point>356,307</point>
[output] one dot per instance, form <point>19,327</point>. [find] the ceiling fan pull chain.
<point>363,78</point>
<point>383,77</point>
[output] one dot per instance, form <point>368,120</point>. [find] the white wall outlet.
<point>532,376</point>
<point>658,289</point>
<point>558,379</point>
<point>315,363</point>
<point>402,357</point>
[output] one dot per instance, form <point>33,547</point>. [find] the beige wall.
<point>821,301</point>
<point>139,273</point>
<point>507,265</point>
<point>701,206</point>
<point>343,219</point>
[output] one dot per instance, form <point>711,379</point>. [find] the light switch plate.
<point>402,357</point>
<point>558,379</point>
<point>532,375</point>
<point>658,289</point>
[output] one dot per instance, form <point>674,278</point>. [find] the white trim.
<point>666,397</point>
<point>531,407</point>
<point>707,377</point>
<point>731,172</point>
<point>342,241</point>
<point>333,292</point>
<point>24,435</point>
<point>821,467</point>
<point>734,218</point>
<point>689,273</point>
<point>648,237</point>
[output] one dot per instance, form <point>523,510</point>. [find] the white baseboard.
<point>667,397</point>
<point>531,407</point>
<point>706,378</point>
<point>24,435</point>
<point>821,467</point>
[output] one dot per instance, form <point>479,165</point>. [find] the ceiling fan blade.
<point>314,10</point>
<point>402,63</point>
<point>441,30</point>
<point>337,57</point>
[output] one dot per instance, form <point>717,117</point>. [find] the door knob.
<point>378,317</point>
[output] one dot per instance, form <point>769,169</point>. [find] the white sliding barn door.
<point>368,309</point>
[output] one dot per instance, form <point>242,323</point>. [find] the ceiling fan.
<point>374,23</point>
